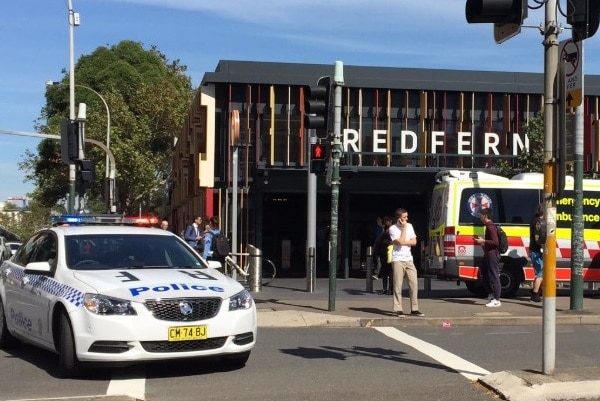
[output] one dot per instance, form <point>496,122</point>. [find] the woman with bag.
<point>381,249</point>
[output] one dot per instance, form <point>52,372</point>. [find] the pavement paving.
<point>353,302</point>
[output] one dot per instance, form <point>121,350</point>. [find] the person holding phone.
<point>403,237</point>
<point>489,269</point>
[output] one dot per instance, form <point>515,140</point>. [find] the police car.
<point>97,289</point>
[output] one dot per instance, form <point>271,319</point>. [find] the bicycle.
<point>268,273</point>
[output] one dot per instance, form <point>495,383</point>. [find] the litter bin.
<point>254,268</point>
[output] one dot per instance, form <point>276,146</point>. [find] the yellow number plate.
<point>186,333</point>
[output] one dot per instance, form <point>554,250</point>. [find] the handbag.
<point>389,251</point>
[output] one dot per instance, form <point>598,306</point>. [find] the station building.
<point>399,127</point>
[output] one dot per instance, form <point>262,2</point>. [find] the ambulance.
<point>457,198</point>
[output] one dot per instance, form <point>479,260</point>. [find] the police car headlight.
<point>103,305</point>
<point>241,300</point>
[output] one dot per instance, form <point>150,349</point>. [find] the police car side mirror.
<point>38,268</point>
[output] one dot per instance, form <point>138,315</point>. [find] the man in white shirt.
<point>404,237</point>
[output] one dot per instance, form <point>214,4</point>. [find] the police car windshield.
<point>128,251</point>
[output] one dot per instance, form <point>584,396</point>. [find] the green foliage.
<point>532,159</point>
<point>31,219</point>
<point>148,98</point>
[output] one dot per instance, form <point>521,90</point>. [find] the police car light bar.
<point>106,219</point>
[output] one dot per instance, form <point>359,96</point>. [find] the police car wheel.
<point>66,348</point>
<point>6,339</point>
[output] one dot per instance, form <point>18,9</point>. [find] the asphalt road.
<point>433,363</point>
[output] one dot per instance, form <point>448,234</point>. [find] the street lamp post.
<point>109,177</point>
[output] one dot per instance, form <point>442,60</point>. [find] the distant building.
<point>399,127</point>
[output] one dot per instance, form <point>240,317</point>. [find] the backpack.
<point>502,240</point>
<point>540,231</point>
<point>220,245</point>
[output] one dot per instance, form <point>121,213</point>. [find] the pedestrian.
<point>537,240</point>
<point>210,234</point>
<point>490,273</point>
<point>164,224</point>
<point>193,234</point>
<point>404,237</point>
<point>379,227</point>
<point>380,250</point>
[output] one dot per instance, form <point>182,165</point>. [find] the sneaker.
<point>400,314</point>
<point>536,297</point>
<point>417,313</point>
<point>494,303</point>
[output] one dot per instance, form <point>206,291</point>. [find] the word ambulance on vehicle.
<point>454,219</point>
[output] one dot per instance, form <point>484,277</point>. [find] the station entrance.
<point>285,220</point>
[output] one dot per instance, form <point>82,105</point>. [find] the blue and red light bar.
<point>88,219</point>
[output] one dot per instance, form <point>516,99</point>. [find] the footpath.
<point>296,302</point>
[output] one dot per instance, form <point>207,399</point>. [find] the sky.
<point>34,44</point>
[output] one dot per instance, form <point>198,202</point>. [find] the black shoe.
<point>388,292</point>
<point>536,298</point>
<point>417,313</point>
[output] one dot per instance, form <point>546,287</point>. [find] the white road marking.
<point>132,384</point>
<point>464,367</point>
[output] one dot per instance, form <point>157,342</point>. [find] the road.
<point>433,363</point>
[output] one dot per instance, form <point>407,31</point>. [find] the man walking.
<point>490,273</point>
<point>537,239</point>
<point>403,237</point>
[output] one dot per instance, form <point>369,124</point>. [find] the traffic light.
<point>87,170</point>
<point>584,17</point>
<point>317,101</point>
<point>69,144</point>
<point>496,11</point>
<point>318,159</point>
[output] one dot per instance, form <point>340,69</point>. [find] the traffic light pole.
<point>311,223</point>
<point>336,152</point>
<point>72,166</point>
<point>550,190</point>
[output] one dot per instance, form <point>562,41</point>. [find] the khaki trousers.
<point>408,269</point>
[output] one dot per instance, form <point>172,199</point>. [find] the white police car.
<point>119,293</point>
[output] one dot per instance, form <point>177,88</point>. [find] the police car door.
<point>31,304</point>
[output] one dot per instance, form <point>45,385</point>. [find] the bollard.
<point>254,268</point>
<point>369,287</point>
<point>310,270</point>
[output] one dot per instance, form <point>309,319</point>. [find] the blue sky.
<point>34,37</point>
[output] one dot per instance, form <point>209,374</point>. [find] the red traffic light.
<point>318,152</point>
<point>318,162</point>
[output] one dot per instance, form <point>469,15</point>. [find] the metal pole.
<point>576,300</point>
<point>72,167</point>
<point>336,150</point>
<point>255,268</point>
<point>549,258</point>
<point>311,223</point>
<point>234,207</point>
<point>369,282</point>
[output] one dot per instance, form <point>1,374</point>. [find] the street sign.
<point>570,55</point>
<point>503,32</point>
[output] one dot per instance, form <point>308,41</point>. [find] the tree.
<point>531,159</point>
<point>148,98</point>
<point>23,224</point>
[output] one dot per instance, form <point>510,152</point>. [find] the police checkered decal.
<point>52,287</point>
